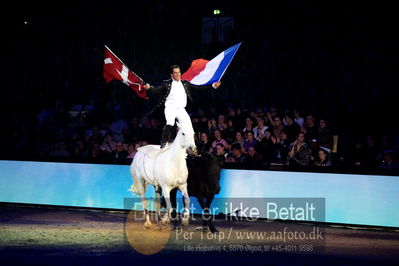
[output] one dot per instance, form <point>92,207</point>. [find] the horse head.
<point>186,137</point>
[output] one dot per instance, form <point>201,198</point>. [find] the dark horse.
<point>202,183</point>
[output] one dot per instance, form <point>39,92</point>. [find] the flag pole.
<point>123,63</point>
<point>239,44</point>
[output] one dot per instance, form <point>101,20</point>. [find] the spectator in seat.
<point>323,157</point>
<point>271,115</point>
<point>282,146</point>
<point>109,144</point>
<point>96,135</point>
<point>236,156</point>
<point>127,136</point>
<point>299,152</point>
<point>61,150</point>
<point>371,152</point>
<point>221,152</point>
<point>325,135</point>
<point>135,129</point>
<point>267,146</point>
<point>117,127</point>
<point>250,140</point>
<point>120,154</point>
<point>389,160</point>
<point>239,138</point>
<point>277,125</point>
<point>291,128</point>
<point>230,131</point>
<point>253,158</point>
<point>131,149</point>
<point>195,122</point>
<point>80,149</point>
<point>312,131</point>
<point>204,144</point>
<point>95,152</point>
<point>203,124</point>
<point>212,126</point>
<point>249,125</point>
<point>314,147</point>
<point>232,115</point>
<point>154,131</point>
<point>366,153</point>
<point>259,130</point>
<point>218,139</point>
<point>221,123</point>
<point>298,118</point>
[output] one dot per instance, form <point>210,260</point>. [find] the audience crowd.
<point>259,137</point>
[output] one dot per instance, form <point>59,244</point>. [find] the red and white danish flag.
<point>114,68</point>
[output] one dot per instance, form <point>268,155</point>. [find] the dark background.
<point>335,61</point>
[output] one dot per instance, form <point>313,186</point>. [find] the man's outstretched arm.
<point>154,90</point>
<point>214,85</point>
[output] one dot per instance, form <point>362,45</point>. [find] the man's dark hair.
<point>290,115</point>
<point>173,67</point>
<point>300,132</point>
<point>220,144</point>
<point>249,131</point>
<point>236,146</point>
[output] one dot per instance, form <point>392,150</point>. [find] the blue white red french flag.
<point>203,72</point>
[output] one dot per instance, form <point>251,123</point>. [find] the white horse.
<point>165,169</point>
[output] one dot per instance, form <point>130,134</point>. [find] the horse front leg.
<point>166,194</point>
<point>173,201</point>
<point>141,188</point>
<point>147,223</point>
<point>204,227</point>
<point>211,226</point>
<point>158,192</point>
<point>186,213</point>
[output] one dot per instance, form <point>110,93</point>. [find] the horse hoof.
<point>165,221</point>
<point>147,225</point>
<point>185,221</point>
<point>214,231</point>
<point>202,228</point>
<point>176,224</point>
<point>177,227</point>
<point>170,227</point>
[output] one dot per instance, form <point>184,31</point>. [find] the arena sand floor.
<point>46,235</point>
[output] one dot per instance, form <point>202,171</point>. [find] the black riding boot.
<point>166,135</point>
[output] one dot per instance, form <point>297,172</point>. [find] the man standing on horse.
<point>173,95</point>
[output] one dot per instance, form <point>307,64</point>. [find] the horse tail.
<point>137,186</point>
